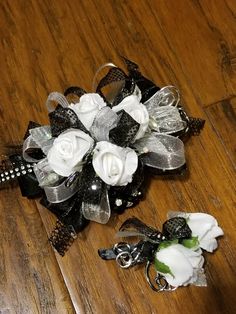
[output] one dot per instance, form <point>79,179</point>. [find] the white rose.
<point>183,264</point>
<point>205,227</point>
<point>115,165</point>
<point>137,111</point>
<point>87,108</point>
<point>68,150</point>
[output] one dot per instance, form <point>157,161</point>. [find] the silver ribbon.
<point>163,111</point>
<point>42,137</point>
<point>39,138</point>
<point>166,96</point>
<point>29,143</point>
<point>61,192</point>
<point>44,173</point>
<point>48,179</point>
<point>105,120</point>
<point>103,66</point>
<point>58,98</point>
<point>166,152</point>
<point>99,213</point>
<point>167,120</point>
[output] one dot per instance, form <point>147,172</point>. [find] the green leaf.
<point>162,267</point>
<point>191,243</point>
<point>165,244</point>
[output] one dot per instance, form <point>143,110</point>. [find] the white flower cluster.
<point>182,263</point>
<point>115,165</point>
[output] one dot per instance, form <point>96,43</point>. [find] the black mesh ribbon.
<point>125,131</point>
<point>62,119</point>
<point>115,75</point>
<point>147,87</point>
<point>70,222</point>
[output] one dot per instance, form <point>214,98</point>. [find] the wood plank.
<point>201,34</point>
<point>30,279</point>
<point>223,118</point>
<point>49,45</point>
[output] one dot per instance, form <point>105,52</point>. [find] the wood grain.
<point>50,45</point>
<point>30,279</point>
<point>223,118</point>
<point>203,43</point>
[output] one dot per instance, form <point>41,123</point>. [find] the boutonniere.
<point>175,253</point>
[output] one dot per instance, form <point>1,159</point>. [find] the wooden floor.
<point>49,45</point>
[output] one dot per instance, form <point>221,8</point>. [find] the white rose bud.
<point>179,264</point>
<point>87,108</point>
<point>205,227</point>
<point>115,165</point>
<point>68,150</point>
<point>137,111</point>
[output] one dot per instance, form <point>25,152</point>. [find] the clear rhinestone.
<point>3,179</point>
<point>22,167</point>
<point>30,170</point>
<point>118,202</point>
<point>6,173</point>
<point>28,166</point>
<point>12,176</point>
<point>129,204</point>
<point>23,172</point>
<point>11,171</point>
<point>7,177</point>
<point>18,174</point>
<point>16,169</point>
<point>2,174</point>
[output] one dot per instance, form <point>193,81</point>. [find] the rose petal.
<point>115,165</point>
<point>68,150</point>
<point>178,263</point>
<point>87,108</point>
<point>200,223</point>
<point>209,245</point>
<point>209,242</point>
<point>205,227</point>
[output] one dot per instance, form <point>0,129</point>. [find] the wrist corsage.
<point>175,253</point>
<point>90,160</point>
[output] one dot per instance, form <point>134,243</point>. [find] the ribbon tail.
<point>97,208</point>
<point>62,237</point>
<point>95,201</point>
<point>134,225</point>
<point>70,222</point>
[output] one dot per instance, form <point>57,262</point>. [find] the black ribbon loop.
<point>125,131</point>
<point>62,119</point>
